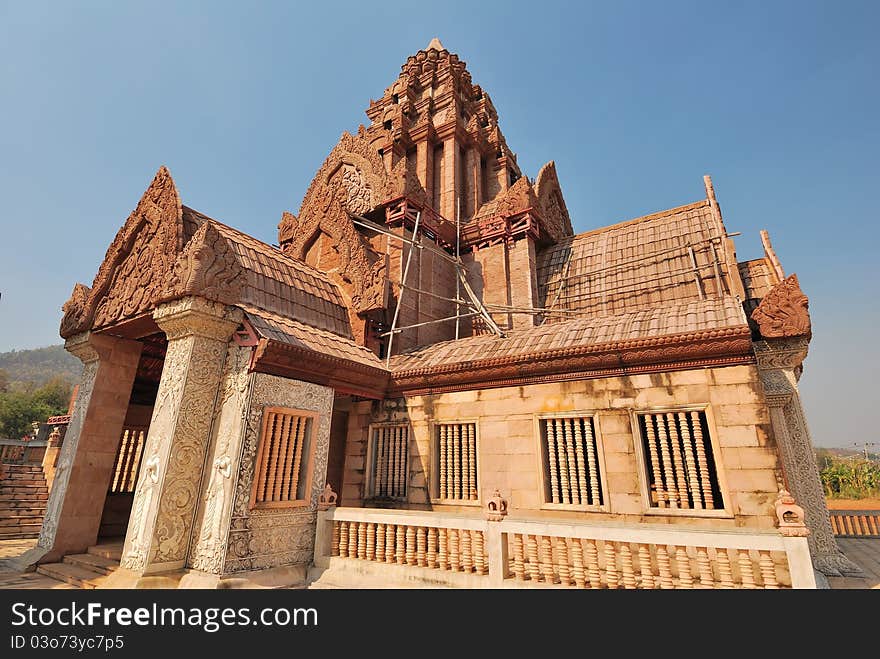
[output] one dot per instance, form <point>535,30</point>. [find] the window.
<point>128,459</point>
<point>388,457</point>
<point>571,461</point>
<point>283,469</point>
<point>678,458</point>
<point>455,461</point>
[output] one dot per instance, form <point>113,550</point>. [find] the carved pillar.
<point>167,493</point>
<point>85,464</point>
<point>779,362</point>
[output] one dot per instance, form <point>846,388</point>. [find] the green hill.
<point>37,367</point>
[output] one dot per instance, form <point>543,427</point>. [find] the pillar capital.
<point>89,347</point>
<point>788,353</point>
<point>195,316</point>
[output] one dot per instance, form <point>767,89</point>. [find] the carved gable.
<point>784,311</point>
<point>551,204</point>
<point>207,267</point>
<point>137,264</point>
<point>351,180</point>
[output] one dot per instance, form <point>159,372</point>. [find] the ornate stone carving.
<point>207,267</point>
<point>784,311</point>
<point>551,204</point>
<point>137,263</point>
<point>496,507</point>
<point>262,538</point>
<point>790,516</point>
<point>352,178</point>
<point>327,499</point>
<point>781,353</point>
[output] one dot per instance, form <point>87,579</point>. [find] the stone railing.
<point>17,451</point>
<point>427,548</point>
<point>855,523</point>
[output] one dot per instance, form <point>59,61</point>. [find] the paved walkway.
<point>864,552</point>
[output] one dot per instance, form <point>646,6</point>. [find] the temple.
<point>432,380</point>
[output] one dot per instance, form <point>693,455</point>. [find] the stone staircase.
<point>23,496</point>
<point>87,570</point>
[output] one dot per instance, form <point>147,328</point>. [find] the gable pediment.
<point>137,264</point>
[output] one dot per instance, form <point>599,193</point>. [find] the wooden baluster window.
<point>679,461</point>
<point>282,472</point>
<point>455,461</point>
<point>572,473</point>
<point>389,461</point>
<point>128,459</point>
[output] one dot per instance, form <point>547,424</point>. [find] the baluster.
<point>292,487</point>
<point>382,441</point>
<point>352,539</point>
<point>519,571</point>
<point>454,551</point>
<point>551,458</point>
<point>362,540</point>
<point>140,440</point>
<point>768,570</point>
<point>725,574</point>
<point>704,568</point>
<point>685,580</point>
<point>563,569</point>
<point>572,476</point>
<point>664,568</point>
<point>583,492</point>
<point>444,467</point>
<point>562,441</point>
<point>121,456</point>
<point>465,465</point>
<point>690,463</point>
<point>591,556</point>
<point>371,541</point>
<point>626,566</point>
<point>669,476</point>
<point>410,547</point>
<point>577,562</point>
<point>472,452</point>
<point>432,547</point>
<point>334,540</point>
<point>442,555</point>
<point>480,553</point>
<point>467,558</point>
<point>659,486</point>
<point>456,461</point>
<point>746,575</point>
<point>532,552</point>
<point>678,464</point>
<point>400,544</point>
<point>272,457</point>
<point>546,560</point>
<point>380,542</point>
<point>403,463</point>
<point>645,568</point>
<point>611,574</point>
<point>702,462</point>
<point>592,464</point>
<point>343,539</point>
<point>390,534</point>
<point>421,541</point>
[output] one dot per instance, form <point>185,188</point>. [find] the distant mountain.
<point>40,365</point>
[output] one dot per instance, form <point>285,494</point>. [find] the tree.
<point>55,393</point>
<point>18,410</point>
<point>4,381</point>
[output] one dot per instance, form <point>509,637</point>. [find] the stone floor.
<point>865,552</point>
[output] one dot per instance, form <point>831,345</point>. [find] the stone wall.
<point>509,455</point>
<point>267,538</point>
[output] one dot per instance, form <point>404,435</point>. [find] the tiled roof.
<point>291,332</point>
<point>635,265</point>
<point>279,284</point>
<point>675,318</point>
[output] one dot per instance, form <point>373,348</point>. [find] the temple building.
<point>432,380</point>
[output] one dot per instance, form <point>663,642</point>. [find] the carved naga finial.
<point>784,311</point>
<point>496,507</point>
<point>790,516</point>
<point>327,499</point>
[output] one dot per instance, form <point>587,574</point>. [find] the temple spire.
<point>435,45</point>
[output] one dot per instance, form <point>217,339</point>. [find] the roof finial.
<point>435,45</point>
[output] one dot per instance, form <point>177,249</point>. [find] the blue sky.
<point>635,101</point>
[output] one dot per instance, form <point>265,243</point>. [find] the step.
<point>8,520</point>
<point>18,536</point>
<point>22,508</point>
<point>9,499</point>
<point>110,550</point>
<point>26,476</point>
<point>72,574</point>
<point>92,562</point>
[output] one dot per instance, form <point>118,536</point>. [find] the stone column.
<point>779,364</point>
<point>167,493</point>
<point>85,463</point>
